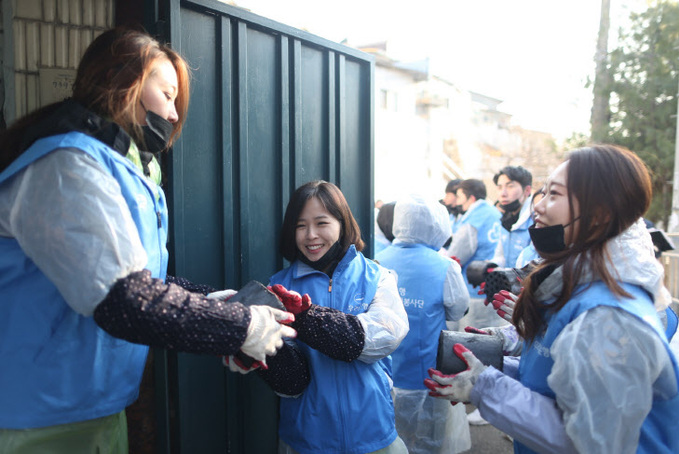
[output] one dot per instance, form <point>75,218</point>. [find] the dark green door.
<point>272,107</point>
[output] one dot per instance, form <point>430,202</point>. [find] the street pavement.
<point>487,439</point>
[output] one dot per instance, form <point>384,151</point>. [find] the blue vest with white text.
<point>421,276</point>
<point>58,366</point>
<point>657,435</point>
<point>347,407</point>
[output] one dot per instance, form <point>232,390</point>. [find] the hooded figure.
<point>433,291</point>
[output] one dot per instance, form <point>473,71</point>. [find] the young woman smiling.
<point>334,378</point>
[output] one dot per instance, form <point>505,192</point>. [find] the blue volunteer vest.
<point>347,407</point>
<point>485,218</point>
<point>657,436</point>
<point>58,366</point>
<point>421,276</point>
<point>514,241</point>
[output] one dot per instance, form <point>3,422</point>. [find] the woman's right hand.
<point>266,332</point>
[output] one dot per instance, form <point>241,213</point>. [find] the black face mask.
<point>157,132</point>
<point>511,206</point>
<point>549,239</point>
<point>334,254</point>
<point>453,210</point>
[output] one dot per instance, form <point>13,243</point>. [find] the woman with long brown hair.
<point>596,373</point>
<point>83,258</point>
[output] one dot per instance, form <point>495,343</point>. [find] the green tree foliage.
<point>645,77</point>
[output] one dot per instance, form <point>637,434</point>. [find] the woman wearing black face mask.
<point>83,258</point>
<point>596,373</point>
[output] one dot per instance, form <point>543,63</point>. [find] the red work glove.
<point>456,259</point>
<point>292,300</point>
<point>504,303</point>
<point>457,387</point>
<point>472,330</point>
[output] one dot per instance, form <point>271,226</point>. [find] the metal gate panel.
<point>272,107</point>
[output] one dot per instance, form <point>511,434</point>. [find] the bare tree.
<point>600,106</point>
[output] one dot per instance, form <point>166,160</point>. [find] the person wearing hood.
<point>514,202</point>
<point>596,373</point>
<point>83,257</point>
<point>433,292</point>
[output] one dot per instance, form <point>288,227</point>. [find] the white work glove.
<point>512,343</point>
<point>222,295</point>
<point>456,387</point>
<point>266,332</point>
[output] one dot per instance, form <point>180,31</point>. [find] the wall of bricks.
<point>39,37</point>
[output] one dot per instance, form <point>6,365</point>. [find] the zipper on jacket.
<point>330,286</point>
<point>160,224</point>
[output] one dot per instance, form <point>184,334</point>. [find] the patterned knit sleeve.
<point>331,332</point>
<point>288,371</point>
<point>190,286</point>
<point>144,310</point>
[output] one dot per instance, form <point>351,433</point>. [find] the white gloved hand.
<point>222,295</point>
<point>512,343</point>
<point>266,332</point>
<point>456,387</point>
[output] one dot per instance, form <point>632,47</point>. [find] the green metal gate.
<point>272,107</point>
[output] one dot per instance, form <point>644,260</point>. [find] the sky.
<point>534,55</point>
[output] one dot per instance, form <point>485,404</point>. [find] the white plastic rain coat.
<point>433,291</point>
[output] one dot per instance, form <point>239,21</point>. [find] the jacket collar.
<point>302,269</point>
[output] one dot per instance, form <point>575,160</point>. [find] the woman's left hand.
<point>456,387</point>
<point>504,303</point>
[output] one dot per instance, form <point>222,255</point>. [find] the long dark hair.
<point>613,189</point>
<point>333,200</point>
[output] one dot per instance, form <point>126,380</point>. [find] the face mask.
<point>511,206</point>
<point>549,239</point>
<point>459,209</point>
<point>157,132</point>
<point>455,210</point>
<point>333,254</point>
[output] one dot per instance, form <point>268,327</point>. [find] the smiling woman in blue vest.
<point>334,379</point>
<point>596,373</point>
<point>83,260</point>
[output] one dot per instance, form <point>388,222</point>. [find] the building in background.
<point>429,130</point>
